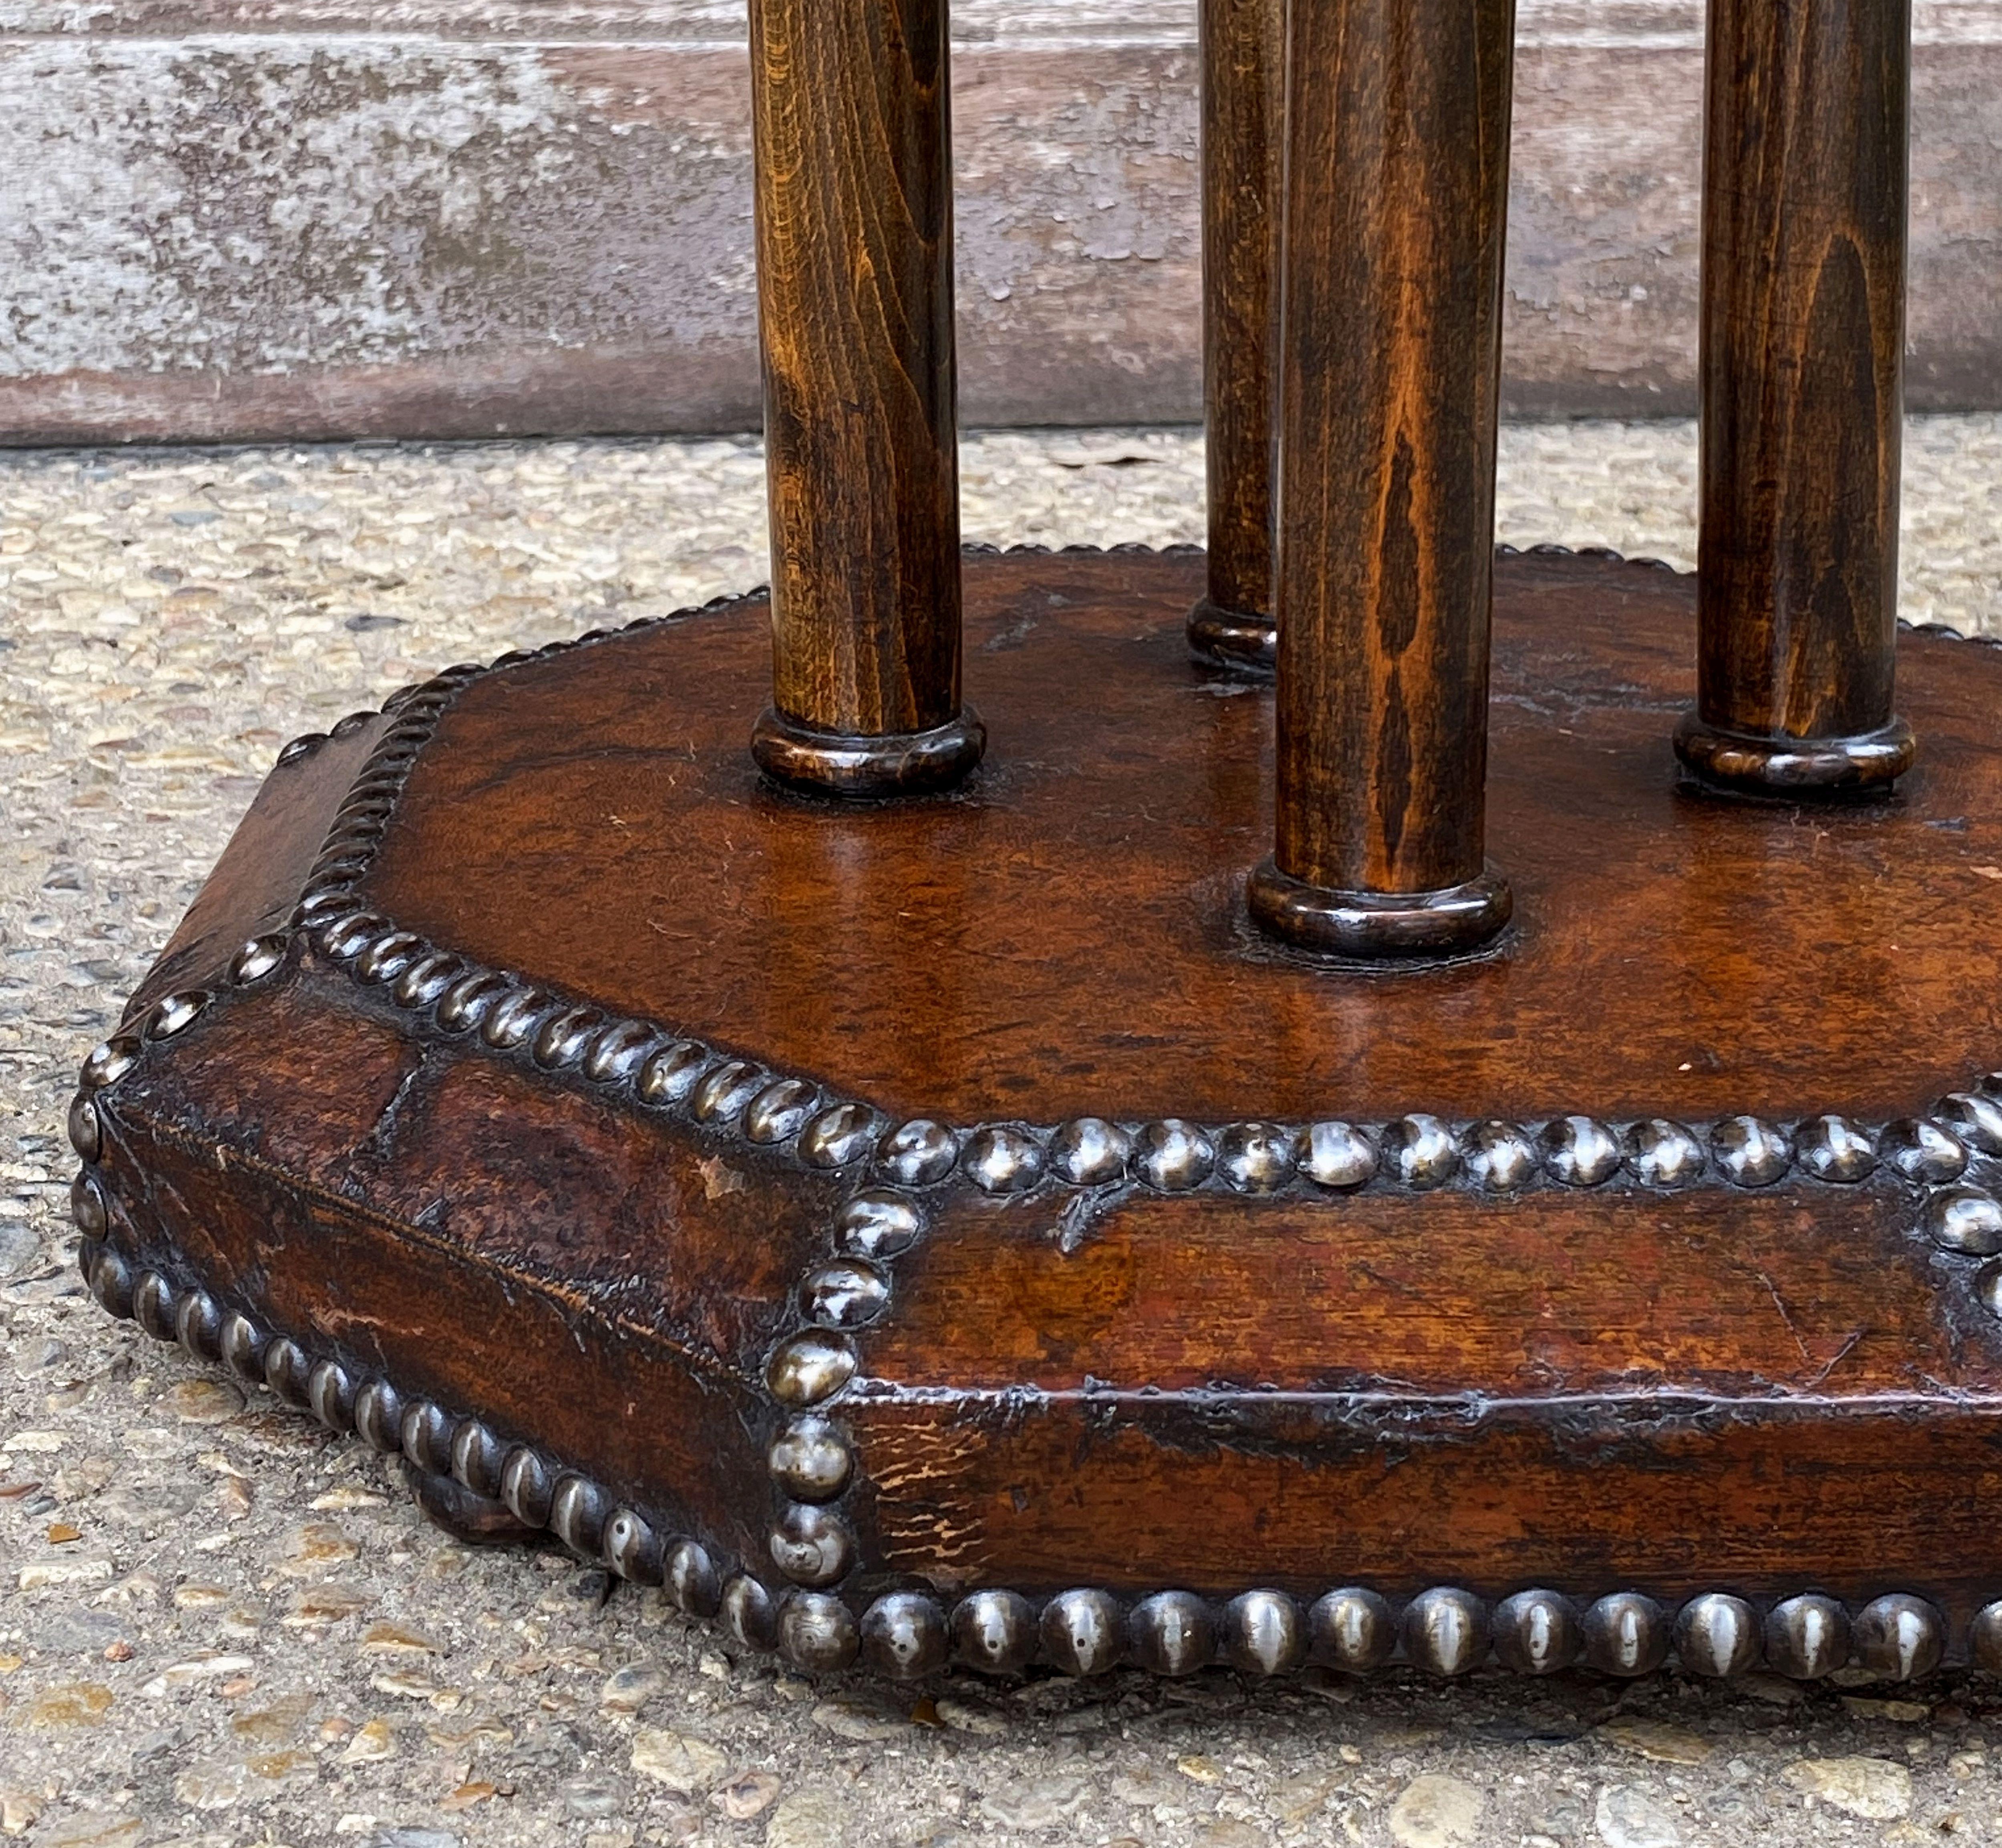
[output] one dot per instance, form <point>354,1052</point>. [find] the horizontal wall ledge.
<point>236,220</point>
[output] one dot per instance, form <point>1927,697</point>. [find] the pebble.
<point>93,1830</point>
<point>45,1572</point>
<point>371,1745</point>
<point>750,1793</point>
<point>630,1688</point>
<point>203,1401</point>
<point>1437,1810</point>
<point>809,1819</point>
<point>1903,1712</point>
<point>1872,1787</point>
<point>590,1797</point>
<point>194,1670</point>
<point>964,1714</point>
<point>1627,1817</point>
<point>850,1717</point>
<point>219,1784</point>
<point>20,1248</point>
<point>1657,1739</point>
<point>1037,1802</point>
<point>73,1703</point>
<point>683,1762</point>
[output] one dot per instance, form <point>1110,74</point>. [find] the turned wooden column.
<point>851,130</point>
<point>1803,321</point>
<point>1397,183</point>
<point>1243,109</point>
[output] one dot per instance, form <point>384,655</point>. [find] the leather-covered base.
<point>947,1229</point>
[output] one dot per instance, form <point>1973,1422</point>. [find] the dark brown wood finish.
<point>1243,110</point>
<point>852,124</point>
<point>857,1367</point>
<point>1396,184</point>
<point>1803,319</point>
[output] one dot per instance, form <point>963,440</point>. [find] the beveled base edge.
<point>1865,764</point>
<point>1233,638</point>
<point>894,763</point>
<point>1374,926</point>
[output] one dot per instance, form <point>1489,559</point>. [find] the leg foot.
<point>448,1504</point>
<point>1232,638</point>
<point>899,763</point>
<point>1380,925</point>
<point>1866,764</point>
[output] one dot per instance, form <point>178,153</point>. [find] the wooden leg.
<point>1803,338</point>
<point>1244,107</point>
<point>1398,154</point>
<point>851,129</point>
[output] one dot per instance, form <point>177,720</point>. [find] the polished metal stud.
<point>88,1207</point>
<point>1923,1151</point>
<point>669,1075</point>
<point>1256,1158</point>
<point>1537,1632</point>
<point>1749,1152</point>
<point>379,1416</point>
<point>1082,1632</point>
<point>198,1324</point>
<point>845,1294</point>
<point>175,1013</point>
<point>810,1460</point>
<point>1090,1152</point>
<point>619,1050</point>
<point>1445,1631</point>
<point>86,1127</point>
<point>994,1632</point>
<point>632,1548</point>
<point>1420,1151</point>
<point>1171,1633</point>
<point>578,1510</point>
<point>478,1457</point>
<point>1833,1148</point>
<point>917,1154</point>
<point>388,957</point>
<point>427,978</point>
<point>109,1062</point>
<point>1499,1157</point>
<point>1661,1153</point>
<point>1975,1119</point>
<point>904,1635</point>
<point>692,1580</point>
<point>1173,1155</point>
<point>1964,1218</point>
<point>111,1281</point>
<point>1337,1155</point>
<point>1625,1634</point>
<point>1001,1159</point>
<point>153,1305</point>
<point>347,726</point>
<point>514,1019</point>
<point>1580,1152</point>
<point>750,1617</point>
<point>809,1367</point>
<point>427,1436</point>
<point>330,1392</point>
<point>1716,1635</point>
<point>1352,1630</point>
<point>1899,1637</point>
<point>877,1223</point>
<point>1264,1633</point>
<point>818,1633</point>
<point>1807,1637</point>
<point>1985,1637</point>
<point>346,937</point>
<point>257,959</point>
<point>242,1345</point>
<point>779,1111</point>
<point>846,1133</point>
<point>725,1089</point>
<point>1988,1286</point>
<point>301,746</point>
<point>811,1545</point>
<point>287,1370</point>
<point>464,1004</point>
<point>564,1038</point>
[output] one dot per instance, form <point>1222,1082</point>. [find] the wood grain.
<point>1803,348</point>
<point>853,126</point>
<point>1075,908</point>
<point>1397,185</point>
<point>1244,106</point>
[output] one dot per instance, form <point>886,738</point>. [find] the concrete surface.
<point>219,1625</point>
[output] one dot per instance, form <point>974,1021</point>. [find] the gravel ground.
<point>220,1625</point>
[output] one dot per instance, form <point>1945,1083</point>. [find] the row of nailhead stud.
<point>1444,1631</point>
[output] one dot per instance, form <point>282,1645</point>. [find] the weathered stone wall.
<point>242,218</point>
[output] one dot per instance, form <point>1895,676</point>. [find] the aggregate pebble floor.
<point>220,1625</point>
